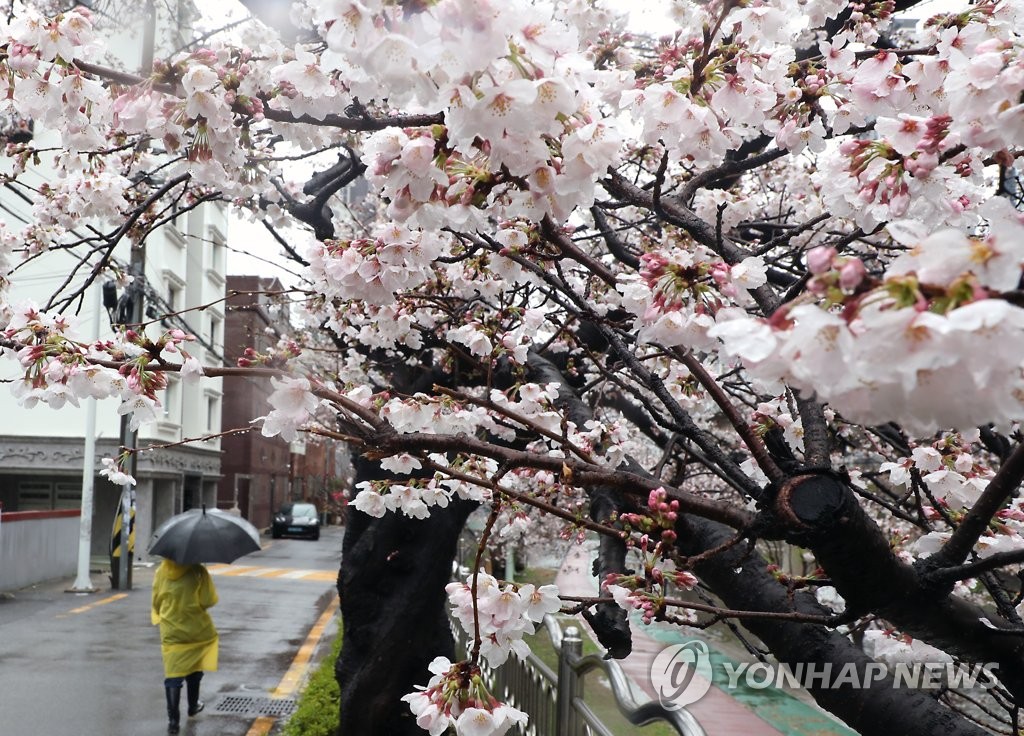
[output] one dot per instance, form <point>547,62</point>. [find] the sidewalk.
<point>721,712</point>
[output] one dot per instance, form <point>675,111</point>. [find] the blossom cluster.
<point>293,405</point>
<point>518,97</point>
<point>113,470</point>
<point>456,696</point>
<point>939,308</point>
<point>59,370</point>
<point>502,614</point>
<point>414,497</point>
<point>660,515</point>
<point>678,291</point>
<point>374,269</point>
<point>646,593</point>
<point>953,475</point>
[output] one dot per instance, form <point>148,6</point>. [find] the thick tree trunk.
<point>742,583</point>
<point>391,582</point>
<point>857,557</point>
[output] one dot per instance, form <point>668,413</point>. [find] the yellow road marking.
<point>94,604</point>
<point>318,576</point>
<point>290,682</point>
<point>293,677</point>
<point>322,576</point>
<point>261,726</point>
<point>235,570</point>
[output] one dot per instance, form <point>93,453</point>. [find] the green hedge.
<point>317,710</point>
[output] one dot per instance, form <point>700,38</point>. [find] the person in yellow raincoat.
<point>188,639</point>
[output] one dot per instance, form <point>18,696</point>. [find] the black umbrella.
<point>201,535</point>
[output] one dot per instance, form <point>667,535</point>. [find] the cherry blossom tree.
<point>744,294</point>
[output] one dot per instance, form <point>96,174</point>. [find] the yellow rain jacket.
<point>188,639</point>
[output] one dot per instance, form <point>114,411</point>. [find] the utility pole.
<point>129,437</point>
<point>82,582</point>
<point>137,268</point>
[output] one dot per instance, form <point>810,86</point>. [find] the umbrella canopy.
<point>201,535</point>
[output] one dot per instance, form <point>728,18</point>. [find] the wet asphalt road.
<point>89,665</point>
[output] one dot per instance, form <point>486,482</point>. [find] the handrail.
<point>570,648</point>
<point>639,714</point>
<point>572,716</point>
<point>554,631</point>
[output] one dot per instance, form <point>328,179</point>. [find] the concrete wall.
<point>37,546</point>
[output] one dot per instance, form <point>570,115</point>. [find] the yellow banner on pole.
<point>115,537</point>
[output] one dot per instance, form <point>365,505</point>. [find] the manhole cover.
<point>254,706</point>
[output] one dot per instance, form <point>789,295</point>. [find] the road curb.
<point>325,600</point>
<point>293,684</point>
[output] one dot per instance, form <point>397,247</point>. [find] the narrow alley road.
<point>89,665</point>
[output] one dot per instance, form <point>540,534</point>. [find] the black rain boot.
<point>194,703</point>
<point>173,707</point>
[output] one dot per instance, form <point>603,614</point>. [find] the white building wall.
<point>181,264</point>
<point>196,284</point>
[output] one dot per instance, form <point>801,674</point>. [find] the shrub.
<point>317,710</point>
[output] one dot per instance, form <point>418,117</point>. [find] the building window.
<point>35,496</point>
<point>215,255</point>
<point>171,400</point>
<point>212,413</point>
<point>173,295</point>
<point>172,300</point>
<point>217,249</point>
<point>214,335</point>
<point>67,496</point>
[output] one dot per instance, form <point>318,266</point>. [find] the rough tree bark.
<point>391,583</point>
<point>871,578</point>
<point>742,583</point>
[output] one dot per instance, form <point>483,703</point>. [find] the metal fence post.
<point>568,681</point>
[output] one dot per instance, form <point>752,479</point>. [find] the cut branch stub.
<point>810,502</point>
<point>609,621</point>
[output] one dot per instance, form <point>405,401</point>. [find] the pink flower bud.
<point>851,274</point>
<point>819,260</point>
<point>818,286</point>
<point>850,146</point>
<point>720,273</point>
<point>922,164</point>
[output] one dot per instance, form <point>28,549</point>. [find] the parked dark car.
<point>296,520</point>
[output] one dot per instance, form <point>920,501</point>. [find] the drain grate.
<point>279,707</point>
<point>255,706</point>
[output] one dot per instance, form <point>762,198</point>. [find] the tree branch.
<point>1000,490</point>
